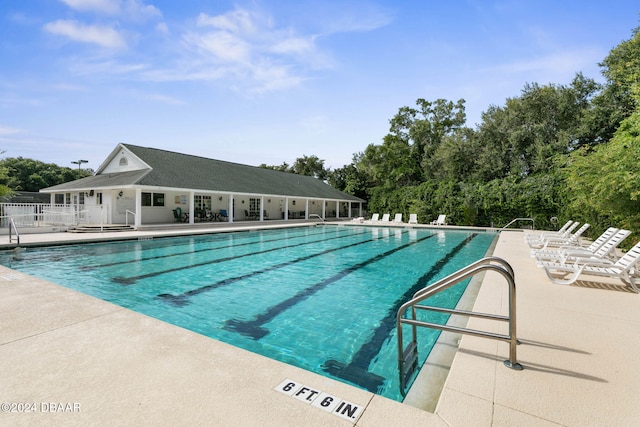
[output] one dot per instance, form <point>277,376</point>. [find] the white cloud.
<point>132,9</point>
<point>110,7</point>
<point>237,21</point>
<point>136,10</point>
<point>248,47</point>
<point>221,46</point>
<point>162,28</point>
<point>97,34</point>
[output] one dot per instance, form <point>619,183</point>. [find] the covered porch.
<point>139,207</point>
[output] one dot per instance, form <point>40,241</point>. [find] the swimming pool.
<point>322,298</point>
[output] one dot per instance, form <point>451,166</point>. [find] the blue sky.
<point>270,81</point>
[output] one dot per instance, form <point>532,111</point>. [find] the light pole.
<point>79,163</point>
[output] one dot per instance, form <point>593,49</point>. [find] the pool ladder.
<point>408,356</point>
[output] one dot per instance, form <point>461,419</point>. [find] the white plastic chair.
<point>440,221</point>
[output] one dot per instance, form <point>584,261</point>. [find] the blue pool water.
<point>321,298</point>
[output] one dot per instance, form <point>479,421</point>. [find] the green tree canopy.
<point>33,175</point>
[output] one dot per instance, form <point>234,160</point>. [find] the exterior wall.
<point>123,201</point>
<point>124,161</point>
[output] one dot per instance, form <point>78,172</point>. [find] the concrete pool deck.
<point>71,359</point>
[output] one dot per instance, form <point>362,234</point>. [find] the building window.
<point>98,198</point>
<point>81,198</point>
<point>254,207</point>
<point>152,199</point>
<point>59,199</point>
<point>202,202</point>
<point>158,199</point>
<point>124,161</point>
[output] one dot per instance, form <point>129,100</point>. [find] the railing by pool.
<point>408,356</point>
<point>33,215</point>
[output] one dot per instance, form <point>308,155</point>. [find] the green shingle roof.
<point>176,170</point>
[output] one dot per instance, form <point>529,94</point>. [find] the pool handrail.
<point>316,215</point>
<point>12,226</point>
<point>533,222</point>
<point>408,357</point>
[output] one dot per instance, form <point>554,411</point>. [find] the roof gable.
<point>121,159</point>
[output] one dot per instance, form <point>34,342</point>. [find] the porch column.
<point>306,209</point>
<point>349,214</point>
<point>230,212</point>
<point>261,208</point>
<point>337,209</point>
<point>324,209</point>
<point>191,206</point>
<point>286,209</point>
<point>138,219</point>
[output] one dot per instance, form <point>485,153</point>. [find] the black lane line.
<point>253,328</point>
<point>131,280</point>
<point>182,299</point>
<point>111,264</point>
<point>357,371</point>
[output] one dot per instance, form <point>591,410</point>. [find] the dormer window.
<point>124,161</point>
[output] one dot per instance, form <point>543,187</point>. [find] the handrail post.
<point>513,342</point>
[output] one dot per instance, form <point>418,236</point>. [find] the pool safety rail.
<point>12,227</point>
<point>407,314</point>
<point>533,223</point>
<point>316,216</point>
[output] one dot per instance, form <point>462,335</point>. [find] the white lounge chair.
<point>606,251</point>
<point>385,218</point>
<point>440,221</point>
<point>558,253</point>
<point>570,239</point>
<point>413,218</point>
<point>398,218</point>
<point>560,232</point>
<point>375,218</point>
<point>540,239</point>
<point>623,269</point>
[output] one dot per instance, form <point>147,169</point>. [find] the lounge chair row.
<point>564,259</point>
<point>375,218</point>
<point>413,219</point>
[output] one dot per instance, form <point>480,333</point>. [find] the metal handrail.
<point>408,357</point>
<point>520,219</point>
<point>12,225</point>
<point>126,217</point>
<point>319,217</point>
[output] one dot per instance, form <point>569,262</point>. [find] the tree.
<point>350,179</point>
<point>521,138</point>
<point>621,68</point>
<point>284,167</point>
<point>305,165</point>
<point>33,175</point>
<point>605,181</point>
<point>310,166</point>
